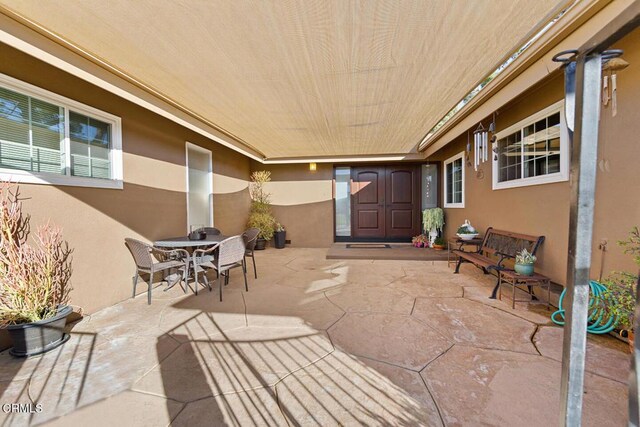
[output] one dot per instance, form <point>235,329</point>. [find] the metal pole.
<point>583,184</point>
<point>634,380</point>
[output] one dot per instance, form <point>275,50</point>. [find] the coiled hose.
<point>599,321</point>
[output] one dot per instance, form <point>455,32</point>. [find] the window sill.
<point>21,177</point>
<point>527,182</point>
<point>454,205</point>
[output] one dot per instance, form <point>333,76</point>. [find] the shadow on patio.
<point>271,376</point>
<point>318,342</point>
<point>56,380</point>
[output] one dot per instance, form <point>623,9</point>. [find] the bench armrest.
<point>502,258</point>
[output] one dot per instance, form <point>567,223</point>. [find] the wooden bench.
<point>497,247</point>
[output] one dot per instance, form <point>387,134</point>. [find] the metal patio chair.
<point>211,231</point>
<point>143,255</point>
<point>229,254</point>
<point>250,237</point>
<point>204,259</point>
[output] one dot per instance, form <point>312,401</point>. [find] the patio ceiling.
<point>302,79</point>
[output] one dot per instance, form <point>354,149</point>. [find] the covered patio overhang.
<point>287,81</point>
<point>293,83</point>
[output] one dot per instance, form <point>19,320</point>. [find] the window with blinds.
<point>90,143</point>
<point>533,151</point>
<point>42,134</point>
<point>31,133</point>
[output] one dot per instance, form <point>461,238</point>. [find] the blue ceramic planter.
<point>524,269</point>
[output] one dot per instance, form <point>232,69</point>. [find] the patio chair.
<point>250,237</point>
<point>143,255</point>
<point>230,254</point>
<point>211,231</point>
<point>203,259</point>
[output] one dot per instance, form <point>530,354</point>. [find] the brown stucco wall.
<point>302,201</point>
<point>544,209</point>
<point>151,205</point>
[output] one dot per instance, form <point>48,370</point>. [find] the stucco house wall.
<point>152,203</point>
<point>544,209</point>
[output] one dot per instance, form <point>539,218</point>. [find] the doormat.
<point>368,246</point>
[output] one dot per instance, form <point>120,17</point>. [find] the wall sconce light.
<point>312,167</point>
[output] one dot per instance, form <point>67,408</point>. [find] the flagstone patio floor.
<point>316,342</point>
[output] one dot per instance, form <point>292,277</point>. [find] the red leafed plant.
<point>35,274</point>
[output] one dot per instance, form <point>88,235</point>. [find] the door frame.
<point>189,145</point>
<point>347,239</point>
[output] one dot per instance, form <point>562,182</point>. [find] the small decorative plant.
<point>465,230</point>
<point>524,262</point>
<point>432,219</point>
<point>621,297</point>
<point>432,222</point>
<point>524,257</point>
<point>260,215</point>
<point>420,241</point>
<point>439,243</point>
<point>621,288</point>
<point>34,275</point>
<point>280,238</point>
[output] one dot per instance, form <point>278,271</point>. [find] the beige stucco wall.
<point>302,201</point>
<point>151,205</point>
<point>544,209</point>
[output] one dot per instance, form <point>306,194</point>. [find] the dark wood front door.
<point>385,202</point>
<point>368,201</point>
<point>402,201</point>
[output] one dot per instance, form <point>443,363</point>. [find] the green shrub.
<point>265,222</point>
<point>621,285</point>
<point>260,215</point>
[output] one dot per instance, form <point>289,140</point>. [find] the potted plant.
<point>466,231</point>
<point>524,263</point>
<point>439,244</point>
<point>260,215</point>
<point>280,236</point>
<point>34,280</point>
<point>620,294</point>
<point>420,241</point>
<point>432,222</point>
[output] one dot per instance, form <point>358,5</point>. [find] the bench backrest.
<point>508,244</point>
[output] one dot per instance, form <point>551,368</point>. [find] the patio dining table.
<point>184,242</point>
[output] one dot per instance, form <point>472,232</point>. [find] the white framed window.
<point>454,181</point>
<point>533,151</point>
<point>46,138</point>
<point>199,171</point>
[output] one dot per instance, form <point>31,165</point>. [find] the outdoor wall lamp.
<point>312,167</point>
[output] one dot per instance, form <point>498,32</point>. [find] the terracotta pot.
<point>438,247</point>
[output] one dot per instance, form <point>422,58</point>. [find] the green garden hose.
<point>599,321</point>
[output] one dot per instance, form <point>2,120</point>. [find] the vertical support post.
<point>634,379</point>
<point>583,184</point>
